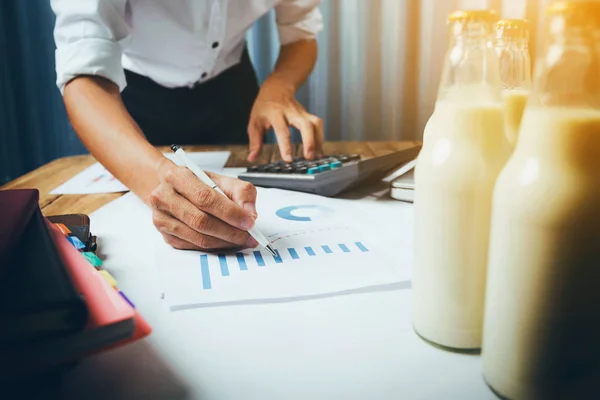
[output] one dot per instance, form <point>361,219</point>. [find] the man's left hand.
<point>276,107</point>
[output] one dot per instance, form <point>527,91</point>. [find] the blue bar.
<point>259,259</point>
<point>361,246</point>
<point>344,248</point>
<point>327,249</point>
<point>241,261</point>
<point>277,258</point>
<point>224,267</point>
<point>310,251</point>
<point>205,272</point>
<point>294,254</point>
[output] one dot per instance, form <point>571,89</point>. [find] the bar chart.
<point>284,256</point>
<point>321,249</point>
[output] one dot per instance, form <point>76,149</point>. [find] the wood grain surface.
<point>49,176</point>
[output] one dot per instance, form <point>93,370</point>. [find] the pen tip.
<point>271,250</point>
<point>174,147</point>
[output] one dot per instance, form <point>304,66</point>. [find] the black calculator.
<point>329,175</point>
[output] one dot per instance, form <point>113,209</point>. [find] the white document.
<point>96,179</point>
<point>232,172</point>
<point>325,246</point>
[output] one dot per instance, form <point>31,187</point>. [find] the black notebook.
<point>37,297</point>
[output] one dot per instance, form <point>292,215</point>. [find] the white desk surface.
<point>359,346</point>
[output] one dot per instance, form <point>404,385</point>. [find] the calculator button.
<point>336,164</point>
<point>253,168</point>
<point>287,170</point>
<point>275,169</point>
<point>344,159</point>
<point>313,171</point>
<point>354,157</point>
<point>301,170</point>
<point>323,168</point>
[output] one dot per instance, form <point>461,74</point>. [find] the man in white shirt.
<point>138,73</point>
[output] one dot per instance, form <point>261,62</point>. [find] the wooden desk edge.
<point>49,176</point>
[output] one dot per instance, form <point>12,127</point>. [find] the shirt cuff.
<point>307,28</point>
<point>98,57</point>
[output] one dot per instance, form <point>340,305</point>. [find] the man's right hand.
<point>191,215</point>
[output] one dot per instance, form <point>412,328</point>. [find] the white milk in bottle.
<point>464,149</point>
<point>542,320</point>
<point>514,104</point>
<point>512,38</point>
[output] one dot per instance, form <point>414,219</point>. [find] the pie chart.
<point>303,213</point>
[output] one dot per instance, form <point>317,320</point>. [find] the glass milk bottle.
<point>512,47</point>
<point>464,149</point>
<point>542,321</point>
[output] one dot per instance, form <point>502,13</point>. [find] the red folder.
<point>98,293</point>
<point>112,321</point>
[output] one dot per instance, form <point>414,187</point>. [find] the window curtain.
<point>34,128</point>
<point>380,62</point>
<point>376,76</point>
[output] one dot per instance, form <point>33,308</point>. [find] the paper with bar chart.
<point>321,248</point>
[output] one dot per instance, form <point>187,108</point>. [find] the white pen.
<point>254,232</point>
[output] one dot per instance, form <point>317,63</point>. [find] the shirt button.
<point>215,45</point>
<point>204,74</point>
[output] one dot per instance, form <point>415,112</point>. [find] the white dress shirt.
<point>174,42</point>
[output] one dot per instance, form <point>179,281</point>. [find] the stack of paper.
<point>96,179</point>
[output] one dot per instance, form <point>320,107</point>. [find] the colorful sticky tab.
<point>108,278</point>
<point>126,299</point>
<point>92,258</point>
<point>78,244</point>
<point>63,228</point>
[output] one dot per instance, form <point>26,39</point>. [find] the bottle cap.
<point>473,15</point>
<point>512,28</point>
<point>576,11</point>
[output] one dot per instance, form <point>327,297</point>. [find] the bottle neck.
<point>471,74</point>
<point>567,70</point>
<point>515,63</point>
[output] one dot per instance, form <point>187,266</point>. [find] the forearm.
<point>101,121</point>
<point>294,64</point>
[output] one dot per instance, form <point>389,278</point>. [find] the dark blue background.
<point>34,128</point>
